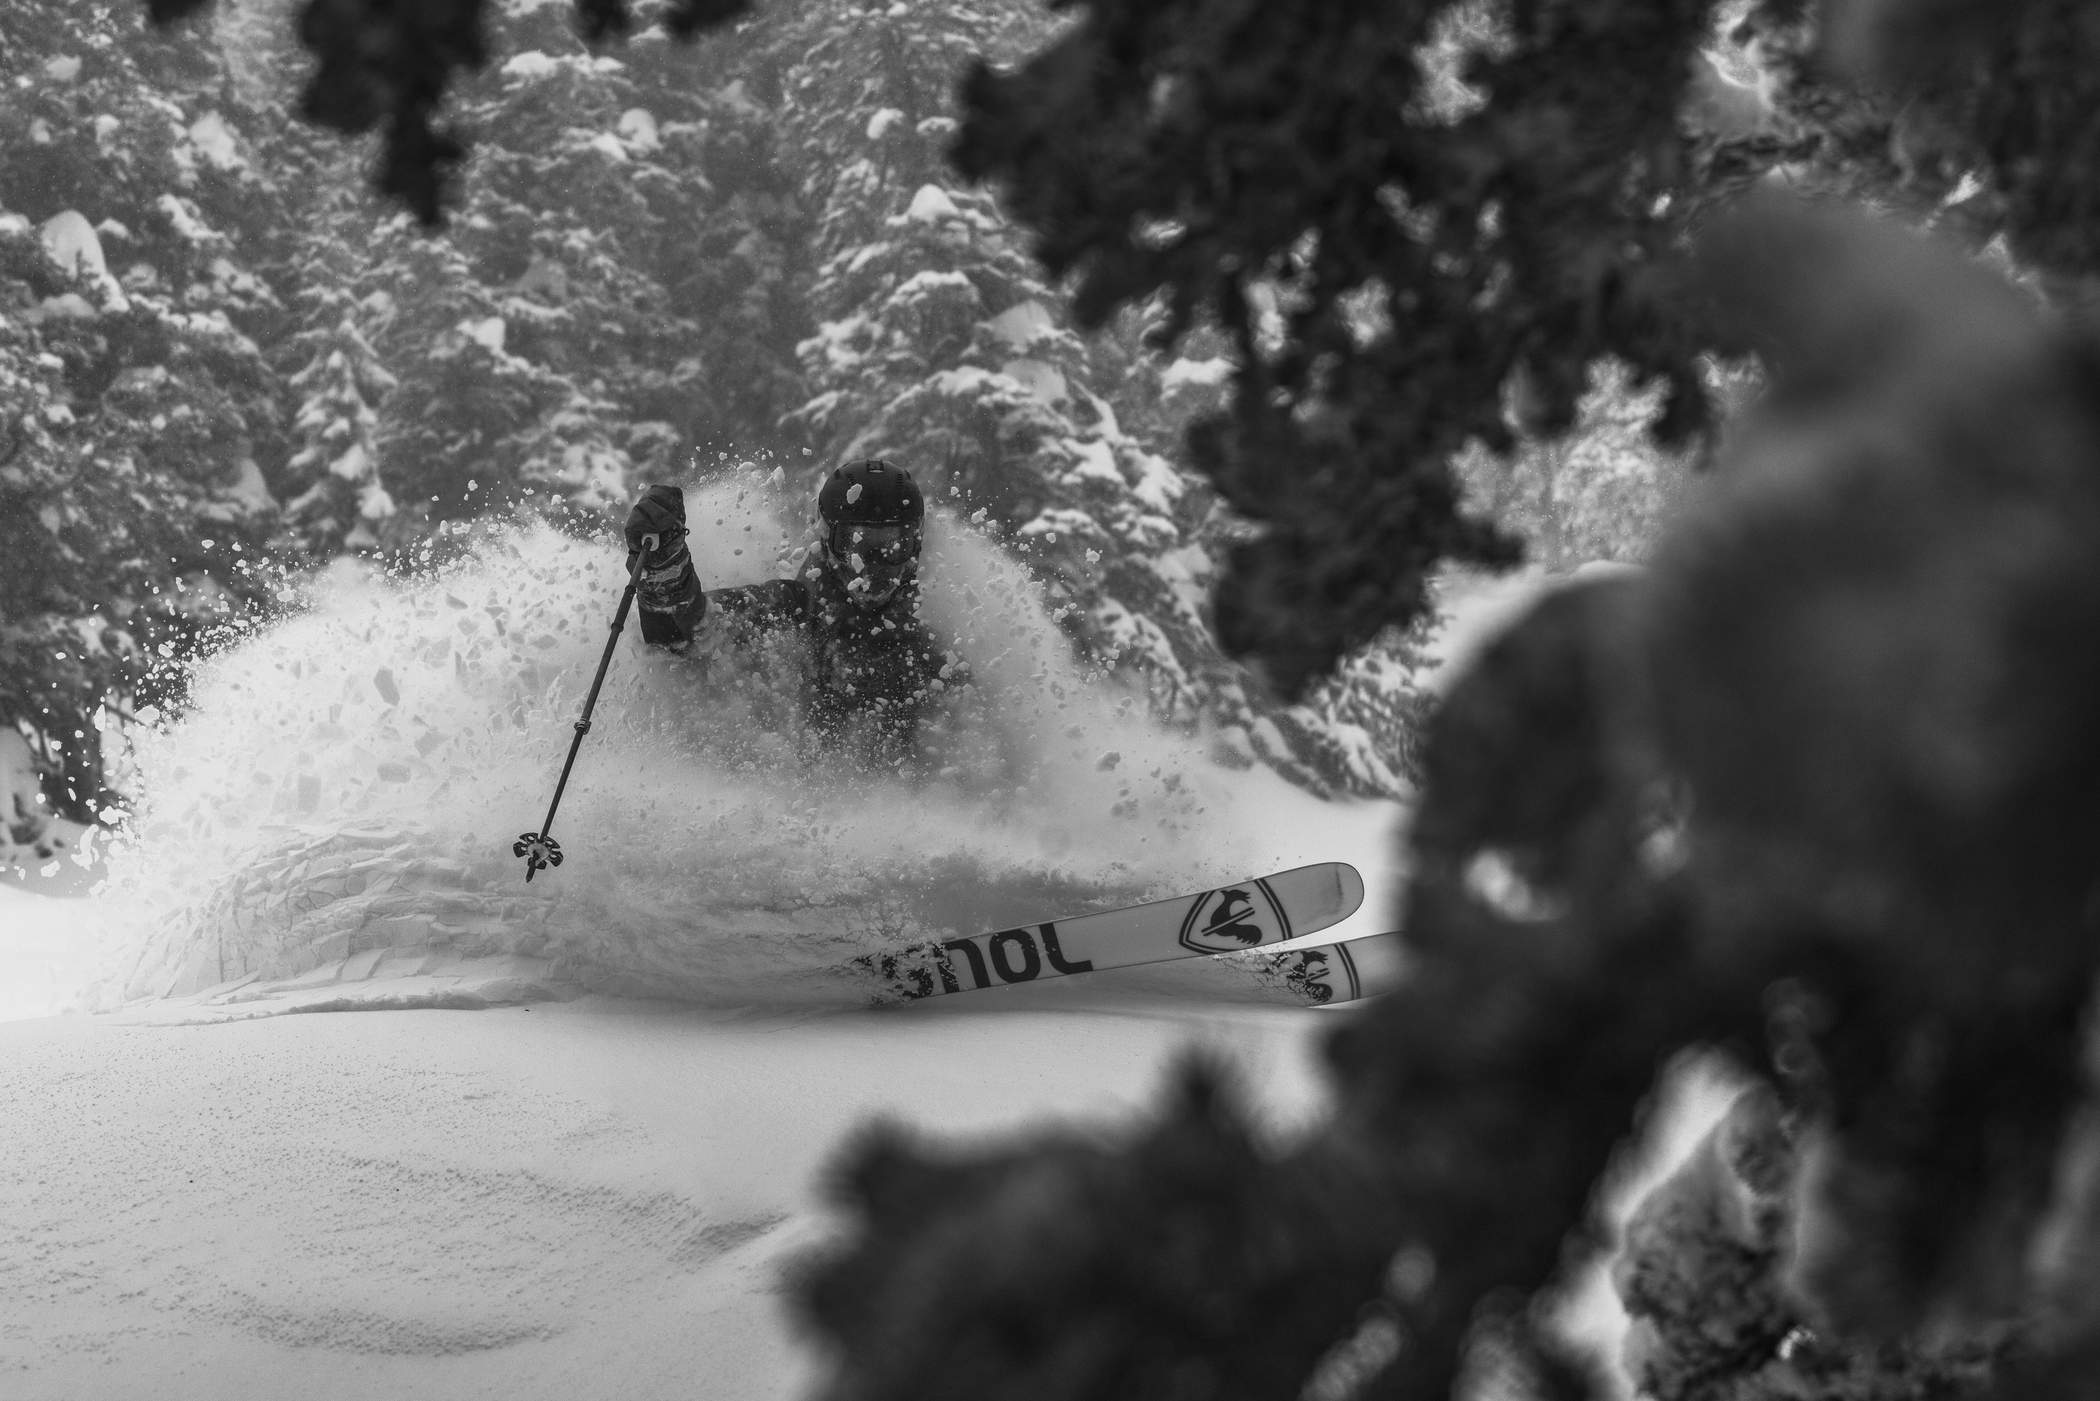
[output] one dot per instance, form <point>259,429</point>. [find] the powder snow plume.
<point>348,784</point>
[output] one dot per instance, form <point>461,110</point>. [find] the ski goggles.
<point>875,549</point>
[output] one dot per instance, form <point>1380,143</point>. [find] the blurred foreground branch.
<point>1821,787</point>
<point>387,67</point>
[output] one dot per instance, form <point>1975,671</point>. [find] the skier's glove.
<point>668,581</point>
<point>661,513</point>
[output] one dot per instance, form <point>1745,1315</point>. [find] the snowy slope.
<point>584,1199</point>
<point>44,952</point>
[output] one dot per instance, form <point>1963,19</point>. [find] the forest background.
<point>224,359</point>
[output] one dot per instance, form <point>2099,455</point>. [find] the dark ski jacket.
<point>864,679</point>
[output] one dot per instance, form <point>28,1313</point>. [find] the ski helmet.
<point>872,515</point>
<point>871,492</point>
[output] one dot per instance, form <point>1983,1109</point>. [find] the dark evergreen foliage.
<point>1065,1267</point>
<point>1970,73</point>
<point>1221,153</point>
<point>1928,791</point>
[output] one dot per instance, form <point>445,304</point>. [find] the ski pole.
<point>539,849</point>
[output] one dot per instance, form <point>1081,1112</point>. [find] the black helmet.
<point>871,492</point>
<point>872,516</point>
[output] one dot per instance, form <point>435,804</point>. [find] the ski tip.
<point>1352,887</point>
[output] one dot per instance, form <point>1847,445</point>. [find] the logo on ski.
<point>1321,975</point>
<point>1236,917</point>
<point>1009,956</point>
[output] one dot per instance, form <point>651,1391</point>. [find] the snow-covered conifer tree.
<point>1601,491</point>
<point>939,341</point>
<point>340,383</point>
<point>133,400</point>
<point>601,300</point>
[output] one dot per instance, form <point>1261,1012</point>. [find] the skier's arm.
<point>676,612</point>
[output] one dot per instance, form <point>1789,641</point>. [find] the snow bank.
<point>582,1200</point>
<point>45,952</point>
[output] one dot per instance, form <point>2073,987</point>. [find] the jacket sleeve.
<point>671,602</point>
<point>674,608</point>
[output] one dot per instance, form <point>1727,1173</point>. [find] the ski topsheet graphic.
<point>1230,919</point>
<point>1321,975</point>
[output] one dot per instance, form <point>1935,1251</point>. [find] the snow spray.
<point>348,783</point>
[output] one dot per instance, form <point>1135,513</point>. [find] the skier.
<point>865,673</point>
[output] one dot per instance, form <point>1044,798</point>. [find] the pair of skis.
<point>1235,922</point>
